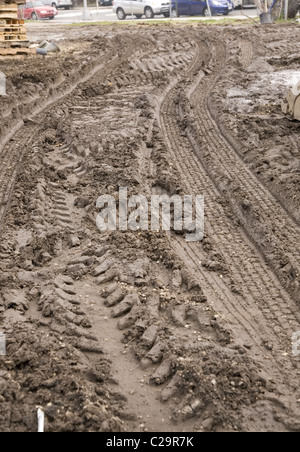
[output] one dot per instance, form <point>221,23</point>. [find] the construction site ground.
<point>143,331</point>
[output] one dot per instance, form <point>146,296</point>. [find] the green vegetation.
<point>283,21</point>
<point>225,21</point>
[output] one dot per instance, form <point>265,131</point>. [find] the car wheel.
<point>138,16</point>
<point>34,16</point>
<point>149,13</point>
<point>166,14</point>
<point>54,5</point>
<point>206,12</point>
<point>67,8</point>
<point>121,14</point>
<point>51,18</point>
<point>175,13</point>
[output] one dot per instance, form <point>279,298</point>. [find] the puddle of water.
<point>266,89</point>
<point>287,78</point>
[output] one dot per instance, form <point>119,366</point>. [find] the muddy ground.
<point>142,331</point>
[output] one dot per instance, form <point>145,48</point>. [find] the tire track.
<point>100,288</point>
<point>11,154</point>
<point>265,311</point>
<point>246,53</point>
<point>265,221</point>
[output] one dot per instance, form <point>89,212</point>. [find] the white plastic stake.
<point>209,8</point>
<point>131,9</point>
<point>286,9</point>
<point>97,8</point>
<point>41,421</point>
<point>86,13</point>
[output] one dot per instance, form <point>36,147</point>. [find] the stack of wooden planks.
<point>13,39</point>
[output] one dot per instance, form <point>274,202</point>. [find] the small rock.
<point>105,427</point>
<point>115,297</point>
<point>85,260</point>
<point>77,270</point>
<point>187,412</point>
<point>74,241</point>
<point>130,319</point>
<point>126,305</point>
<point>109,290</point>
<point>101,251</point>
<point>149,336</point>
<point>104,267</point>
<point>208,424</point>
<point>196,405</point>
<point>162,373</point>
<point>156,353</point>
<point>146,363</point>
<point>177,279</point>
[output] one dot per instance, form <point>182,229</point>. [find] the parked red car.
<point>36,10</point>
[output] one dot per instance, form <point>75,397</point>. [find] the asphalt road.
<point>106,14</point>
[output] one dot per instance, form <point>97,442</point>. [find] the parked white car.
<point>137,8</point>
<point>237,3</point>
<point>66,4</point>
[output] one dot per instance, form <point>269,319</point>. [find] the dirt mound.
<point>141,330</point>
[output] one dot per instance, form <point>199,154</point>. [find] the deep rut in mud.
<point>139,330</point>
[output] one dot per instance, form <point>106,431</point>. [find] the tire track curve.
<point>264,315</point>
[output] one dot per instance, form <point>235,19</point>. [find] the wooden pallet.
<point>12,2</point>
<point>15,52</point>
<point>4,26</point>
<point>12,36</point>
<point>14,45</point>
<point>8,31</point>
<point>8,15</point>
<point>12,22</point>
<point>13,39</point>
<point>9,11</point>
<point>10,7</point>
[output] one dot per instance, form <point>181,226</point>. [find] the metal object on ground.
<point>266,18</point>
<point>41,52</point>
<point>43,44</point>
<point>52,47</point>
<point>291,105</point>
<point>49,47</point>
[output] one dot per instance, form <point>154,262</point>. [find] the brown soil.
<point>142,331</point>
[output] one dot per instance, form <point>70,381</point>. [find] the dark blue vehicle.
<point>197,7</point>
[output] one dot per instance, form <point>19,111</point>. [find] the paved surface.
<point>106,14</point>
